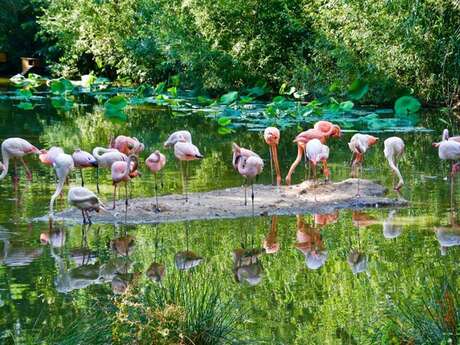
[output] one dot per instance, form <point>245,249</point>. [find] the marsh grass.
<point>186,309</point>
<point>432,318</point>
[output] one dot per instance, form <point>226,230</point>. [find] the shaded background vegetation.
<point>397,46</point>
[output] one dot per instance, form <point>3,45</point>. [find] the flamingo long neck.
<point>128,167</point>
<point>98,152</point>
<point>58,191</point>
<point>393,166</point>
<point>274,149</point>
<point>445,134</point>
<point>6,163</point>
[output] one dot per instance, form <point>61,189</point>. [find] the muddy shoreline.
<point>229,203</point>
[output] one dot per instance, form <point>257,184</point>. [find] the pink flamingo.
<point>155,162</point>
<point>85,200</point>
<point>83,160</point>
<point>449,150</point>
<point>393,151</point>
<point>322,130</point>
<point>124,171</point>
<point>272,138</point>
<point>16,148</point>
<point>127,145</point>
<point>177,136</point>
<point>185,151</point>
<point>445,136</point>
<point>317,152</point>
<point>358,145</point>
<point>105,158</point>
<point>48,157</point>
<point>249,165</point>
<point>63,165</point>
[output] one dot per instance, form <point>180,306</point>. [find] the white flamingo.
<point>63,165</point>
<point>393,150</point>
<point>85,200</point>
<point>16,148</point>
<point>178,136</point>
<point>359,144</point>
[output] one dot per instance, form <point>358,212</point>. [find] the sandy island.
<point>229,203</point>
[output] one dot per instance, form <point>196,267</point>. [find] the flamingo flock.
<point>121,158</point>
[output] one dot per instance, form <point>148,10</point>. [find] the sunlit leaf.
<point>224,130</point>
<point>160,87</point>
<point>358,89</point>
<point>346,106</point>
<point>24,93</point>
<point>246,99</point>
<point>173,91</point>
<point>229,97</point>
<point>60,86</point>
<point>25,106</point>
<point>224,121</point>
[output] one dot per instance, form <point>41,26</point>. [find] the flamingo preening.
<point>358,145</point>
<point>63,165</point>
<point>48,157</point>
<point>322,130</point>
<point>16,148</point>
<point>83,160</point>
<point>393,151</point>
<point>272,138</point>
<point>127,145</point>
<point>155,162</point>
<point>85,200</point>
<point>105,158</point>
<point>249,165</point>
<point>182,135</point>
<point>124,172</point>
<point>185,151</point>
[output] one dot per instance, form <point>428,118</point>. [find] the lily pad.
<point>346,106</point>
<point>116,103</point>
<point>60,86</point>
<point>406,105</point>
<point>25,106</point>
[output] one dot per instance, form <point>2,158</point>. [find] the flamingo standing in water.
<point>249,165</point>
<point>272,138</point>
<point>182,135</point>
<point>63,165</point>
<point>16,148</point>
<point>185,151</point>
<point>449,150</point>
<point>83,160</point>
<point>155,162</point>
<point>105,158</point>
<point>322,130</point>
<point>127,145</point>
<point>393,150</point>
<point>358,145</point>
<point>317,152</point>
<point>85,200</point>
<point>124,171</point>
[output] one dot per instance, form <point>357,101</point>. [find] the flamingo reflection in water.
<point>310,244</point>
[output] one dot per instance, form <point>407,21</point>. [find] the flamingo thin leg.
<point>28,173</point>
<point>294,164</point>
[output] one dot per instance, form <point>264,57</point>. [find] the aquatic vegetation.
<point>182,310</point>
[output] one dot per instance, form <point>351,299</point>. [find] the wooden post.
<point>27,63</point>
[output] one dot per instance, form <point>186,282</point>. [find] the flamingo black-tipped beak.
<point>94,164</point>
<point>199,156</point>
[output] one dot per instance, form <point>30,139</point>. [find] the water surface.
<point>288,298</point>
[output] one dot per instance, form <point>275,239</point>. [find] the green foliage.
<point>406,105</point>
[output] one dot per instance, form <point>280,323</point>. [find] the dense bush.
<point>397,46</point>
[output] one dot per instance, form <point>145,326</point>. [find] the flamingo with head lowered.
<point>124,172</point>
<point>16,148</point>
<point>63,165</point>
<point>85,200</point>
<point>272,138</point>
<point>185,151</point>
<point>359,144</point>
<point>322,130</point>
<point>249,165</point>
<point>393,151</point>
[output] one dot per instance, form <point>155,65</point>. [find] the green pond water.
<point>45,287</point>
